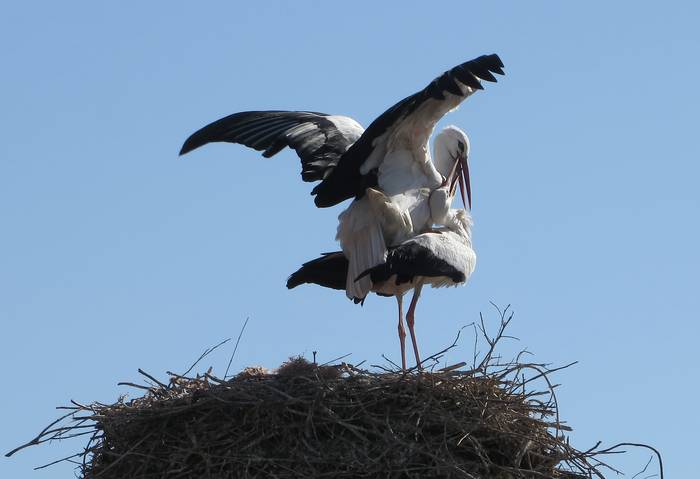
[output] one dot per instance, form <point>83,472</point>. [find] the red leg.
<point>410,320</point>
<point>402,331</point>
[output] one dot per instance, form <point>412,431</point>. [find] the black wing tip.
<point>495,59</point>
<point>214,130</point>
<point>321,197</point>
<point>472,72</point>
<point>199,138</point>
<point>490,60</point>
<point>498,70</point>
<point>493,63</point>
<point>321,202</point>
<point>294,280</point>
<point>188,146</point>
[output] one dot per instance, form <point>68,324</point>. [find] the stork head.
<point>451,159</point>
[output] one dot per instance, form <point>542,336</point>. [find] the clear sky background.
<point>117,254</point>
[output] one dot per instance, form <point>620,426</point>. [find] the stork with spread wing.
<point>398,189</point>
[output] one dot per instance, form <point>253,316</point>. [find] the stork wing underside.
<point>412,120</point>
<point>319,139</point>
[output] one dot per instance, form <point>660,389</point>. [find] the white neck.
<point>441,156</point>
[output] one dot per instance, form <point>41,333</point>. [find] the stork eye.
<point>460,145</point>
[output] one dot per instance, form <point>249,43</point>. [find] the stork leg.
<point>410,320</point>
<point>402,331</point>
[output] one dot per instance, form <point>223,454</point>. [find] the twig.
<point>336,359</point>
<point>204,354</point>
<point>39,438</point>
<point>611,449</point>
<point>57,461</point>
<point>435,357</point>
<point>138,386</point>
<point>447,369</point>
<point>152,378</point>
<point>651,458</point>
<point>235,348</point>
<point>390,362</point>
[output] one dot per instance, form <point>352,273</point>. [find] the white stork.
<point>398,191</point>
<point>442,257</point>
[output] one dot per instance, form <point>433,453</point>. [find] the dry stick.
<point>76,403</point>
<point>610,450</point>
<point>64,429</point>
<point>39,438</point>
<point>138,386</point>
<point>448,369</point>
<point>499,335</point>
<point>211,377</point>
<point>177,376</point>
<point>396,366</point>
<point>548,371</point>
<point>435,357</point>
<point>476,343</point>
<point>68,458</point>
<point>336,359</point>
<point>152,378</point>
<point>235,348</point>
<point>651,458</point>
<point>204,354</point>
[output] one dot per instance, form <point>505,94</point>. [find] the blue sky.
<point>117,254</point>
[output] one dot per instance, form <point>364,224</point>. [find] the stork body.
<point>439,258</point>
<point>408,202</point>
<point>396,185</point>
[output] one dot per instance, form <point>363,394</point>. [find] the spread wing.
<point>406,126</point>
<point>319,139</point>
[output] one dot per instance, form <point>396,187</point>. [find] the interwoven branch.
<point>339,421</point>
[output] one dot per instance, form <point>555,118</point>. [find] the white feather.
<point>362,241</point>
<point>347,126</point>
<point>440,201</point>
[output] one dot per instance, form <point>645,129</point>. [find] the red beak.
<point>460,174</point>
<point>465,180</point>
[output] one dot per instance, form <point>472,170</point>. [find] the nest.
<point>336,421</point>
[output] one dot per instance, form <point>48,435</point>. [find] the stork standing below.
<point>398,191</point>
<point>441,257</point>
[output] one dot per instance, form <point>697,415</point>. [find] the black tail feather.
<point>329,271</point>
